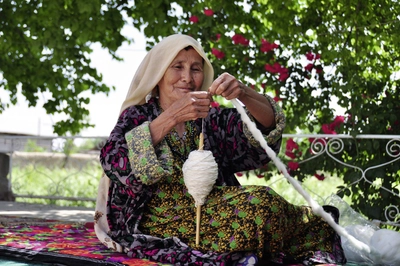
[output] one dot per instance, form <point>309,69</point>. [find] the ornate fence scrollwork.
<point>334,148</point>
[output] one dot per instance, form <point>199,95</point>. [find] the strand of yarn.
<point>200,171</point>
<point>317,209</point>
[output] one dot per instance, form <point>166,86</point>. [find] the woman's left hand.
<point>259,106</point>
<point>227,86</point>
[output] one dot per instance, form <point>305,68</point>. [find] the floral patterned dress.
<point>151,214</point>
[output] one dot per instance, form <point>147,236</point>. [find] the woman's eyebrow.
<point>182,61</point>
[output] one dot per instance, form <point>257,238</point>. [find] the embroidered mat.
<point>58,242</point>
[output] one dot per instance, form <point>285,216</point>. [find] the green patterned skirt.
<point>248,218</point>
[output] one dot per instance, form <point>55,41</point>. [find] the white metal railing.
<point>55,152</point>
<point>332,145</point>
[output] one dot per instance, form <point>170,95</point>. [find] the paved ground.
<point>80,214</point>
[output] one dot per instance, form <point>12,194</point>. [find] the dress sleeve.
<point>149,163</point>
<point>119,161</point>
<point>271,135</point>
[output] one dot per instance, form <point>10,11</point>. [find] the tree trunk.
<point>5,188</point>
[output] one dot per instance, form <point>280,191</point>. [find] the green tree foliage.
<point>45,47</point>
<point>305,53</point>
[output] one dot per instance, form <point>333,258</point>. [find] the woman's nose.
<point>187,75</point>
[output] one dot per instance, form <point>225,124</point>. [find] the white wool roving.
<point>317,209</point>
<point>200,171</point>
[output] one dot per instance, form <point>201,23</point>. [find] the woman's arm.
<point>128,155</point>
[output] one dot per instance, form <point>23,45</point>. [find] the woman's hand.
<point>227,86</point>
<point>191,106</point>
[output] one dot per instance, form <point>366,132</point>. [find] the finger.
<point>200,94</point>
<point>216,83</point>
<point>200,102</point>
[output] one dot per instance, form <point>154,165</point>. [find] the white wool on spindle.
<point>200,171</point>
<point>317,209</point>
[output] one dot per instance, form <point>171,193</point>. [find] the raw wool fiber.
<point>317,209</point>
<point>200,172</point>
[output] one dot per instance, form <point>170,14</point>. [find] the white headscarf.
<point>156,62</point>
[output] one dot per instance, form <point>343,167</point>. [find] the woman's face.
<point>183,75</point>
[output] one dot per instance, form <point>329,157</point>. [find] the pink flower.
<point>293,166</point>
<point>330,128</point>
<point>218,36</point>
<point>267,46</point>
<point>218,54</point>
<point>277,99</point>
<point>319,177</point>
<point>291,145</point>
<point>327,129</point>
<point>290,154</point>
<point>194,19</point>
<point>208,12</point>
<point>337,121</point>
<point>283,75</point>
<point>240,39</point>
<point>277,68</point>
<point>309,67</point>
<point>214,104</point>
<point>310,56</point>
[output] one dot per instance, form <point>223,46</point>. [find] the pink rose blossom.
<point>327,129</point>
<point>290,154</point>
<point>293,166</point>
<point>320,177</point>
<point>267,46</point>
<point>311,56</point>
<point>194,19</point>
<point>291,145</point>
<point>208,12</point>
<point>309,67</point>
<point>283,75</point>
<point>277,68</point>
<point>218,54</point>
<point>240,39</point>
<point>214,104</point>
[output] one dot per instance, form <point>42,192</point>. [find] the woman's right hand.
<point>191,106</point>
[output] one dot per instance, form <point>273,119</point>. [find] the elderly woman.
<point>143,207</point>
